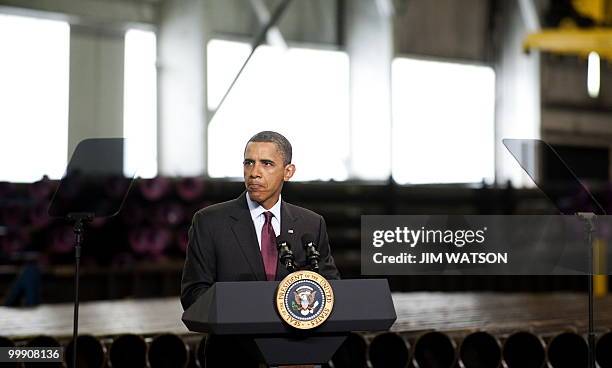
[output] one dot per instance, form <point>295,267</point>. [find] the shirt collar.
<point>256,209</point>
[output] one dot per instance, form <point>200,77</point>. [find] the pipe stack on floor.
<point>432,349</point>
<point>469,330</point>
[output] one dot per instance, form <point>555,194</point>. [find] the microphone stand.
<point>312,256</point>
<point>285,254</point>
<point>79,219</point>
<point>589,226</point>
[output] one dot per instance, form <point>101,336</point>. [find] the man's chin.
<point>256,196</point>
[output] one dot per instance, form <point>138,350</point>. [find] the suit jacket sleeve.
<point>327,267</point>
<point>200,266</point>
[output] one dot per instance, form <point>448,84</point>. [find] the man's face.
<point>264,172</point>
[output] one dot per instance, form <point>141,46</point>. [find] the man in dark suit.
<point>235,240</point>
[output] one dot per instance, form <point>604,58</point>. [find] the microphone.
<point>312,254</point>
<point>285,254</point>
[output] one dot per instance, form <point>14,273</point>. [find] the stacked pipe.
<point>433,349</point>
<point>152,224</point>
<point>155,218</point>
<point>8,343</point>
<point>168,351</point>
<point>479,349</point>
<point>152,227</point>
<point>128,350</point>
<point>524,349</point>
<point>159,216</point>
<point>91,352</point>
<point>40,342</point>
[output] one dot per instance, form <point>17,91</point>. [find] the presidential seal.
<point>304,299</point>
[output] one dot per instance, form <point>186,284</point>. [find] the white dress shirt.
<point>259,218</point>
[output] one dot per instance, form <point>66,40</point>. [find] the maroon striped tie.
<point>268,247</point>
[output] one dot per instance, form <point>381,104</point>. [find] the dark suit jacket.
<point>223,246</point>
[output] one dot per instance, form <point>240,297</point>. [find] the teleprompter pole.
<point>79,219</point>
<point>589,226</point>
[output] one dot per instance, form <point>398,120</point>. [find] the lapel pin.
<point>290,231</point>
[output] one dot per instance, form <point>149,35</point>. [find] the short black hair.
<point>281,142</point>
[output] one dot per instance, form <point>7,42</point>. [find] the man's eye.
<point>245,163</point>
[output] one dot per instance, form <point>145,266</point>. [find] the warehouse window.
<point>223,64</point>
<point>300,92</point>
<point>443,122</point>
<point>140,104</point>
<point>34,71</point>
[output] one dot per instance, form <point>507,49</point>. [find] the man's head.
<point>267,165</point>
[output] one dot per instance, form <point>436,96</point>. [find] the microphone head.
<point>281,242</point>
<point>308,239</point>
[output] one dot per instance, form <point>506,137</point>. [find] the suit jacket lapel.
<point>288,230</point>
<point>288,220</point>
<point>244,230</point>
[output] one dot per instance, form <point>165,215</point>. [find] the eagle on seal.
<point>306,301</point>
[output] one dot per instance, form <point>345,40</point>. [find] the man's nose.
<point>255,171</point>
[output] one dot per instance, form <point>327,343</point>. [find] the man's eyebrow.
<point>264,160</point>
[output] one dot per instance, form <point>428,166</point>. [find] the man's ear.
<point>289,171</point>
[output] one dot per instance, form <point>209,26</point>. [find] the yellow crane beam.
<point>572,41</point>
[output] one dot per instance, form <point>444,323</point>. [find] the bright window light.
<point>593,76</point>
<point>223,64</point>
<point>443,122</point>
<point>301,93</point>
<point>34,72</point>
<point>140,104</point>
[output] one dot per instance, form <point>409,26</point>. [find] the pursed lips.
<point>253,186</point>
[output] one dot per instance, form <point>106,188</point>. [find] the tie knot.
<point>268,216</point>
